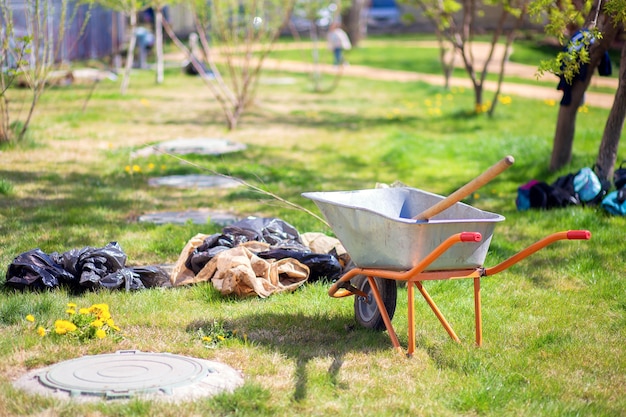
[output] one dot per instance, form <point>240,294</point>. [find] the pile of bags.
<point>259,256</point>
<point>81,269</point>
<point>581,188</point>
<point>252,257</point>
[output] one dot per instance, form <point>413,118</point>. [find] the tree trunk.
<point>130,54</point>
<point>565,128</point>
<point>355,22</point>
<point>158,31</point>
<point>607,154</point>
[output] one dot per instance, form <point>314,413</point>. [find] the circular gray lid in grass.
<point>199,216</point>
<point>201,146</point>
<point>130,374</point>
<point>194,181</point>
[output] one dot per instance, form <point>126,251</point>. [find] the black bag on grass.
<point>544,196</point>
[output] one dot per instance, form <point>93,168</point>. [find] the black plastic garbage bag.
<point>123,278</point>
<point>275,232</point>
<point>270,230</point>
<point>152,276</point>
<point>211,246</point>
<point>89,265</point>
<point>36,270</point>
<point>321,266</point>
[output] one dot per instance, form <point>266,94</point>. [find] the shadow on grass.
<point>302,337</point>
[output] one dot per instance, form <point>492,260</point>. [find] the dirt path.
<point>522,90</point>
<point>528,72</point>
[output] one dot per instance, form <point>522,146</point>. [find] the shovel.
<point>466,190</point>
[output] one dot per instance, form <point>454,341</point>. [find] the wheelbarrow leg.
<point>383,312</point>
<point>411,314</point>
<point>477,314</point>
<point>440,316</point>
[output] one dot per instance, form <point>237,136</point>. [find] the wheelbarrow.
<point>387,244</point>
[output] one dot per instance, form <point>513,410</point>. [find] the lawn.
<point>553,325</point>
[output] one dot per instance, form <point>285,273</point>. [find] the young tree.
<point>311,11</point>
<point>245,31</point>
<point>12,51</point>
<point>456,27</point>
<point>46,25</point>
<point>605,20</point>
<point>607,154</point>
<point>159,6</point>
<point>129,8</point>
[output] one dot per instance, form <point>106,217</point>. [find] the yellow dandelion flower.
<point>70,311</point>
<point>71,305</point>
<point>163,167</point>
<point>145,102</point>
<point>101,311</point>
<point>221,338</point>
<point>476,196</point>
<point>100,334</point>
<point>41,331</point>
<point>127,168</point>
<point>30,318</point>
<point>150,166</point>
<point>64,326</point>
<point>96,323</point>
<point>207,339</point>
<point>550,102</point>
<point>136,168</point>
<point>83,311</point>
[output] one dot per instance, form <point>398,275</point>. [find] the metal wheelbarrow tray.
<point>385,242</point>
<point>376,228</point>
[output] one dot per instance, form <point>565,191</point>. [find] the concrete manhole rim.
<point>132,374</point>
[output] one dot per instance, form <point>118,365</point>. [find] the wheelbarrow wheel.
<point>366,311</point>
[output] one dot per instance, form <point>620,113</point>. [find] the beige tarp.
<point>239,271</point>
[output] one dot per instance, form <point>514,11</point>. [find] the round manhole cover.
<point>126,374</point>
<point>194,216</point>
<point>200,146</point>
<point>194,181</point>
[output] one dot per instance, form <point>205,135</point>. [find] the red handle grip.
<point>579,235</point>
<point>471,237</point>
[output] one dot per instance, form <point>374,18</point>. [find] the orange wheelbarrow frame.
<point>414,277</point>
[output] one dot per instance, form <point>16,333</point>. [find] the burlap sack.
<point>239,271</point>
<point>181,275</point>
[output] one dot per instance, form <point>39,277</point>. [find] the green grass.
<point>553,324</point>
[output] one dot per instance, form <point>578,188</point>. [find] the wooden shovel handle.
<point>467,189</point>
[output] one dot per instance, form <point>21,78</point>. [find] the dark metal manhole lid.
<point>131,373</point>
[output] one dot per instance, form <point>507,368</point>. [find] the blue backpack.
<point>615,202</point>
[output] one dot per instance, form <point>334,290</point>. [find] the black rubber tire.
<point>366,312</point>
